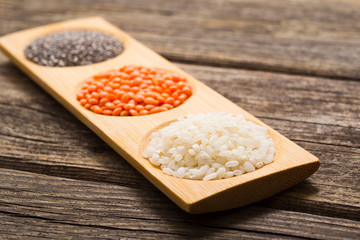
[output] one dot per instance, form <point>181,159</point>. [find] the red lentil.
<point>133,91</point>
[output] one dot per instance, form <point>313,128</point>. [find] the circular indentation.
<point>134,91</point>
<point>208,146</point>
<point>73,48</point>
<point>146,139</point>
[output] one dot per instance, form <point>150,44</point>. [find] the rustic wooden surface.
<point>295,65</point>
<point>130,136</point>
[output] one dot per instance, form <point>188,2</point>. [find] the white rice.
<point>210,146</point>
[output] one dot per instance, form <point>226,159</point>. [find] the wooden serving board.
<point>129,136</point>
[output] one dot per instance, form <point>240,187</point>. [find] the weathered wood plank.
<point>322,115</point>
<point>42,206</point>
<point>304,36</point>
<point>38,135</point>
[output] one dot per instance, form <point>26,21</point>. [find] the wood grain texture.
<point>322,115</point>
<point>129,136</point>
<point>303,36</point>
<point>34,122</point>
<point>80,209</point>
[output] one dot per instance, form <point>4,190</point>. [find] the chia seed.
<point>73,48</point>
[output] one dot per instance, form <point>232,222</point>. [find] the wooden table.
<point>293,64</point>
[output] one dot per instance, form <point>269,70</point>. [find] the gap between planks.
<point>46,201</point>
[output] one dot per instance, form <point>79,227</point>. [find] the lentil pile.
<point>210,146</point>
<point>133,91</point>
<point>73,48</point>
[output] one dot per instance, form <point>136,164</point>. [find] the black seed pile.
<point>73,48</point>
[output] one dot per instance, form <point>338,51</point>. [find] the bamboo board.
<point>130,135</point>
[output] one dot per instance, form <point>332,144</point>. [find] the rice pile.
<point>210,146</point>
